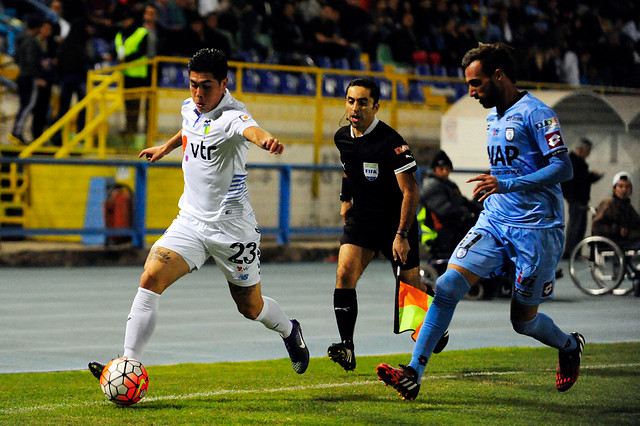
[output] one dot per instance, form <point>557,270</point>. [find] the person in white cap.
<point>616,218</point>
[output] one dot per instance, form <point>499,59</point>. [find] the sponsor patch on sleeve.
<point>554,139</point>
<point>399,150</point>
<point>245,117</point>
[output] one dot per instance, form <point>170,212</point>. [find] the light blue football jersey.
<point>519,143</point>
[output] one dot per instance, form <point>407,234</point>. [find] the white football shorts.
<point>233,244</point>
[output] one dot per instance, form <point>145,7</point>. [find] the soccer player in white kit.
<point>215,219</point>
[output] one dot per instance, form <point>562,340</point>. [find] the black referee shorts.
<point>379,237</point>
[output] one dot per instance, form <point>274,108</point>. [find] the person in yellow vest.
<point>131,46</point>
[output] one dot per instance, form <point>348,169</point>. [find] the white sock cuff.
<point>265,308</point>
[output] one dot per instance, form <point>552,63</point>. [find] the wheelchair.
<point>598,266</point>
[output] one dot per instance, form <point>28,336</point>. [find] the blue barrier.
<point>139,231</point>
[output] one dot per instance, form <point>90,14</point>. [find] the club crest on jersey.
<point>370,170</point>
<point>509,133</point>
<point>207,126</point>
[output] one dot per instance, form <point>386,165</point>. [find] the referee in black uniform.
<point>379,201</point>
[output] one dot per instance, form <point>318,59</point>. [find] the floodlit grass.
<point>482,386</point>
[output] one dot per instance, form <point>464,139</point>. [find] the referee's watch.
<point>403,233</point>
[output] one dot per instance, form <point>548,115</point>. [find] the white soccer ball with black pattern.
<point>124,381</point>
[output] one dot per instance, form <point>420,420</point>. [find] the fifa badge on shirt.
<point>370,170</point>
<point>509,133</point>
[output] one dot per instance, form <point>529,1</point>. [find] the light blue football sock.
<point>543,329</point>
<point>450,289</point>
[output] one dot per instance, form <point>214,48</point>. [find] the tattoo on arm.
<point>160,255</point>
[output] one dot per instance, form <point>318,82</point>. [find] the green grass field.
<point>482,386</point>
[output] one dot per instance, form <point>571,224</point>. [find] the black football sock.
<point>345,306</point>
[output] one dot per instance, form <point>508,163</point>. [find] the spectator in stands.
<point>62,26</point>
<point>567,65</point>
<point>41,110</point>
<point>577,192</point>
<point>448,212</point>
<point>75,57</point>
<point>217,38</point>
<point>404,44</point>
<point>193,38</point>
<point>288,37</point>
<point>616,218</point>
<point>325,37</point>
<point>356,24</point>
<point>170,16</point>
<point>156,35</point>
<point>131,45</point>
<point>29,55</point>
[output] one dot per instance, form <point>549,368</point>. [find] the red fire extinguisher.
<point>118,212</point>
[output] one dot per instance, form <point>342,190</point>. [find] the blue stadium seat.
<point>269,81</point>
<point>376,66</point>
<point>439,70</point>
<point>231,77</point>
<point>423,69</point>
<point>182,77</point>
<point>358,65</point>
<point>323,62</point>
<point>307,84</point>
<point>341,64</point>
<point>401,91</point>
<point>416,92</point>
<point>462,90</point>
<point>455,72</point>
<point>250,81</point>
<point>100,47</point>
<point>289,84</point>
<point>385,88</point>
<point>330,85</point>
<point>343,82</point>
<point>167,76</point>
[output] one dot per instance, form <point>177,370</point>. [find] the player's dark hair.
<point>367,84</point>
<point>209,60</point>
<point>492,57</point>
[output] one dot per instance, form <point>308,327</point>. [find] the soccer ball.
<point>124,381</point>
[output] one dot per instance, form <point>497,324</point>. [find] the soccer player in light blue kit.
<point>521,227</point>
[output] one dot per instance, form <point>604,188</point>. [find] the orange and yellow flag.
<point>411,307</point>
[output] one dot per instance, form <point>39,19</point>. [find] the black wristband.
<point>403,233</point>
<point>345,192</point>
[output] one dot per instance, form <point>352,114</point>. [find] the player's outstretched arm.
<point>155,153</point>
<point>263,139</point>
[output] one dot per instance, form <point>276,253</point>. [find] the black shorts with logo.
<point>379,237</point>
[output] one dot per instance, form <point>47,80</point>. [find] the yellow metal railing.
<point>101,101</point>
<point>106,95</point>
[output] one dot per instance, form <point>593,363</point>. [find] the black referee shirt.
<point>371,163</point>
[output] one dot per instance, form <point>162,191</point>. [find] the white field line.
<point>51,407</point>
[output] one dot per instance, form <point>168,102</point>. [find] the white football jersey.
<point>214,156</point>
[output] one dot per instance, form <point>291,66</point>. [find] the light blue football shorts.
<point>233,244</point>
<point>532,253</point>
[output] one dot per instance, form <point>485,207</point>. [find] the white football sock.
<point>141,322</point>
<point>274,318</point>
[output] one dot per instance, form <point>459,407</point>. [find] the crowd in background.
<point>569,41</point>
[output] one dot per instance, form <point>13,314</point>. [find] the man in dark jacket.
<point>577,193</point>
<point>29,55</point>
<point>445,208</point>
